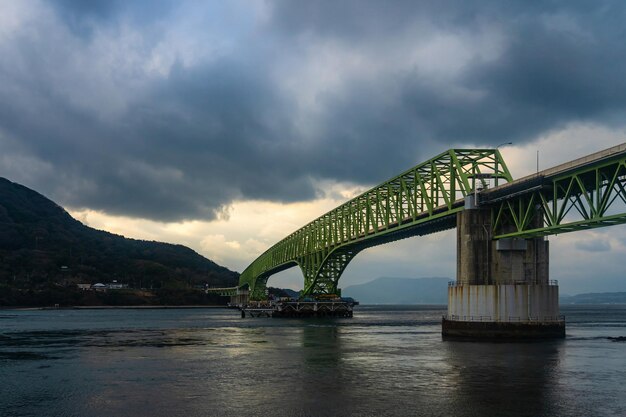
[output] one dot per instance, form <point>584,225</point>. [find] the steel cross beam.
<point>586,195</point>
<point>421,200</point>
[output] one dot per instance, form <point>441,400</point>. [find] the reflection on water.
<point>385,361</point>
<point>498,376</point>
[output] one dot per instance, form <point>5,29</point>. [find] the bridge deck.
<point>532,181</point>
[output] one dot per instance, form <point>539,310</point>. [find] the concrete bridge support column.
<point>503,288</point>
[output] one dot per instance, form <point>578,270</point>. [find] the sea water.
<point>386,361</point>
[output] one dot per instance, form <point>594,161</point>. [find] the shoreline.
<point>180,307</point>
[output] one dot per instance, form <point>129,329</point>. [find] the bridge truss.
<point>579,197</point>
<point>421,200</point>
<point>583,194</point>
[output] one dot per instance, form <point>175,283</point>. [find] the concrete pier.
<point>503,287</point>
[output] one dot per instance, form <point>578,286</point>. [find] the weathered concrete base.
<point>502,330</point>
<point>503,303</point>
<point>504,311</point>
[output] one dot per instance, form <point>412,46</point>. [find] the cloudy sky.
<point>226,125</point>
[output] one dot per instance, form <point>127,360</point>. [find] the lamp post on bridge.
<point>504,144</point>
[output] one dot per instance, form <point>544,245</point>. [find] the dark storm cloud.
<point>547,77</point>
<point>360,19</point>
<point>103,9</point>
<point>79,15</point>
<point>108,134</point>
<point>226,129</point>
<point>563,61</point>
<point>184,149</point>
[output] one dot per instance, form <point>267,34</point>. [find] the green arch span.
<point>421,200</point>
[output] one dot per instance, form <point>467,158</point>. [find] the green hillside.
<point>42,246</point>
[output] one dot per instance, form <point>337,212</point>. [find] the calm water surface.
<point>386,361</point>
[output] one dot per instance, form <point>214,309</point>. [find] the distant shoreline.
<point>113,307</point>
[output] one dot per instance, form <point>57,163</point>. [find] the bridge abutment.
<point>503,288</point>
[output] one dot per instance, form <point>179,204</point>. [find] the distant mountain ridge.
<point>389,290</point>
<point>386,290</point>
<point>595,298</point>
<point>41,243</point>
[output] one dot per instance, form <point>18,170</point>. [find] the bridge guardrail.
<point>552,282</point>
<point>513,319</point>
<point>537,319</point>
<point>467,318</point>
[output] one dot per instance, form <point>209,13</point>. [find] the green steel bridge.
<point>586,193</point>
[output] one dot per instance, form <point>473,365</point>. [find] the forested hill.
<point>41,244</point>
